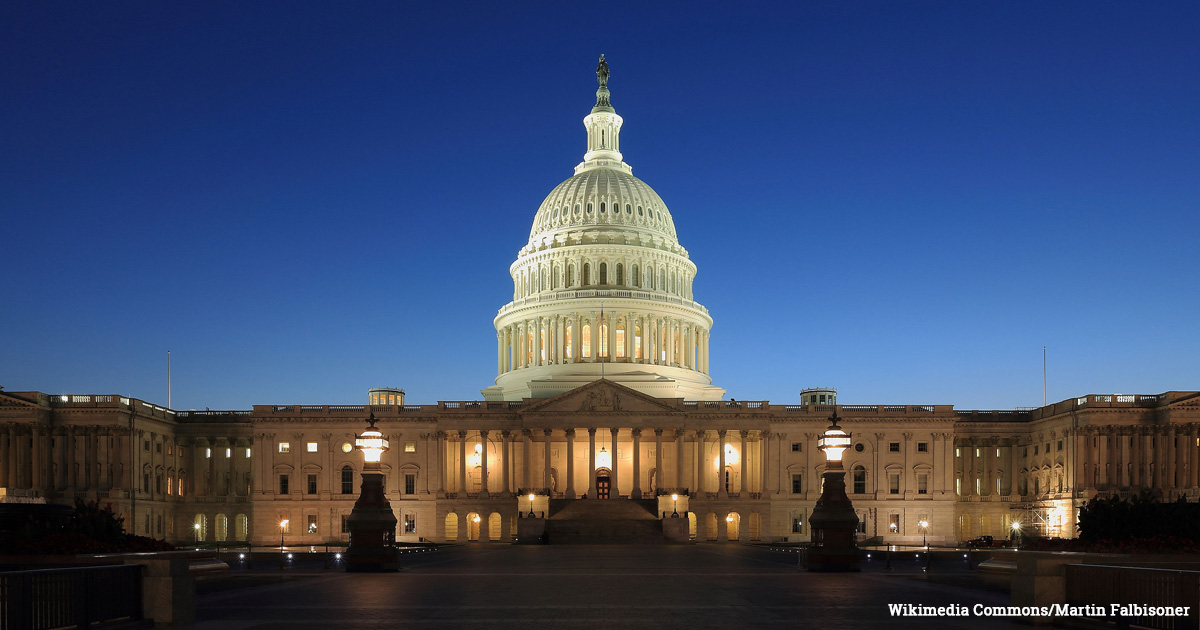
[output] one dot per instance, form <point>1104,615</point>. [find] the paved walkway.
<point>604,586</point>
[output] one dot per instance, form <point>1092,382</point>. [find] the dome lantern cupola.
<point>603,130</point>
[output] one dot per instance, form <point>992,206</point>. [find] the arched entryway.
<point>473,521</point>
<point>451,524</point>
<point>733,526</point>
<point>603,483</point>
<point>494,521</point>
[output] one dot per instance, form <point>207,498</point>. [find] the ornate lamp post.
<point>372,524</point>
<point>674,506</point>
<point>196,528</point>
<point>833,521</point>
<point>1016,533</point>
<point>530,505</point>
<point>282,528</point>
<point>924,526</point>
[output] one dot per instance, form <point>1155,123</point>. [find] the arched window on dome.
<point>529,348</point>
<point>544,280</point>
<point>587,274</point>
<point>620,275</point>
<point>662,279</point>
<point>544,344</point>
<point>585,342</point>
<point>589,208</point>
<point>633,275</point>
<point>570,275</point>
<point>567,349</point>
<point>629,209</point>
<point>603,273</point>
<point>671,287</point>
<point>603,340</point>
<point>637,342</point>
<point>601,207</point>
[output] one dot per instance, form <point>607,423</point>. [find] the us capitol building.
<point>602,399</point>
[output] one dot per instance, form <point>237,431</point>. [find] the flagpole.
<point>169,379</point>
<point>1043,376</point>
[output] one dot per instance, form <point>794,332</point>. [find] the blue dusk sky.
<point>903,200</point>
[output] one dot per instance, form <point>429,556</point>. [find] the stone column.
<point>527,460</point>
<point>764,447</point>
<point>505,462</point>
<point>745,464</point>
<point>660,472</point>
<point>570,493</point>
<point>1172,463</point>
<point>36,458</point>
<point>636,492</point>
<point>1125,447</point>
<point>613,492</point>
<point>679,482</point>
<point>461,487</point>
<point>591,491</point>
<point>722,490</point>
<point>699,461</point>
<point>6,450</point>
<point>1136,456</point>
<point>1194,450</point>
<point>546,468</point>
<point>483,465</point>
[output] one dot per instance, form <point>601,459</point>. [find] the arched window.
<point>637,342</point>
<point>570,275</point>
<point>603,273</point>
<point>602,203</point>
<point>586,342</point>
<point>620,340</point>
<point>567,338</point>
<point>860,480</point>
<point>603,340</point>
<point>633,275</point>
<point>222,528</point>
<point>662,279</point>
<point>347,479</point>
<point>554,277</point>
<point>544,281</point>
<point>587,274</point>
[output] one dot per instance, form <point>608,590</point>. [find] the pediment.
<point>8,400</point>
<point>603,396</point>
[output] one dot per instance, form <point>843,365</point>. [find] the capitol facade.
<point>601,410</point>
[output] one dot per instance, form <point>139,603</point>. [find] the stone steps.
<point>604,521</point>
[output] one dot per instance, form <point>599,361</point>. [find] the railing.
<point>591,293</point>
<point>77,597</point>
<point>1139,590</point>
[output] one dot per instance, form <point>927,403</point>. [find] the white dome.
<point>602,198</point>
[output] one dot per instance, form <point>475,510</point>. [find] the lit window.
<point>410,524</point>
<point>637,344</point>
<point>410,447</point>
<point>586,342</point>
<point>247,452</point>
<point>312,523</point>
<point>228,453</point>
<point>207,452</point>
<point>620,341</point>
<point>311,447</point>
<point>347,447</point>
<point>568,343</point>
<point>603,340</point>
<point>285,447</point>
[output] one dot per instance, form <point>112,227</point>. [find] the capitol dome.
<point>603,289</point>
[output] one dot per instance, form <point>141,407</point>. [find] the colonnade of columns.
<point>537,467</point>
<point>579,338</point>
<point>76,457</point>
<point>1165,457</point>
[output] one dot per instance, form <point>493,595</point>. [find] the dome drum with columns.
<point>603,287</point>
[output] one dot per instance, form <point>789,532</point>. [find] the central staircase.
<point>604,522</point>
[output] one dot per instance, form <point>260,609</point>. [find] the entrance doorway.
<point>603,483</point>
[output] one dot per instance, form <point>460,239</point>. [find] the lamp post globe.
<point>675,506</point>
<point>531,497</point>
<point>196,528</point>
<point>833,521</point>
<point>372,524</point>
<point>924,526</point>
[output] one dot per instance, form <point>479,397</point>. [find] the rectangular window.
<point>797,447</point>
<point>1035,449</point>
<point>158,449</point>
<point>285,447</point>
<point>637,347</point>
<point>311,447</point>
<point>797,526</point>
<point>1059,445</point>
<point>797,483</point>
<point>957,452</point>
<point>894,523</point>
<point>170,450</point>
<point>410,484</point>
<point>922,483</point>
<point>410,447</point>
<point>893,483</point>
<point>410,524</point>
<point>978,484</point>
<point>347,480</point>
<point>860,483</point>
<point>283,484</point>
<point>958,487</point>
<point>312,524</point>
<point>207,453</point>
<point>922,447</point>
<point>345,524</point>
<point>312,484</point>
<point>146,447</point>
<point>620,343</point>
<point>894,447</point>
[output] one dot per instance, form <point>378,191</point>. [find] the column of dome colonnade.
<point>547,461</point>
<point>603,287</point>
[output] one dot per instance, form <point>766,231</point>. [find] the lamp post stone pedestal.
<point>833,521</point>
<point>372,524</point>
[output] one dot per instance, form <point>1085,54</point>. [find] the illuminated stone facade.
<point>602,391</point>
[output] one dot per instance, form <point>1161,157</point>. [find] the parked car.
<point>984,542</point>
